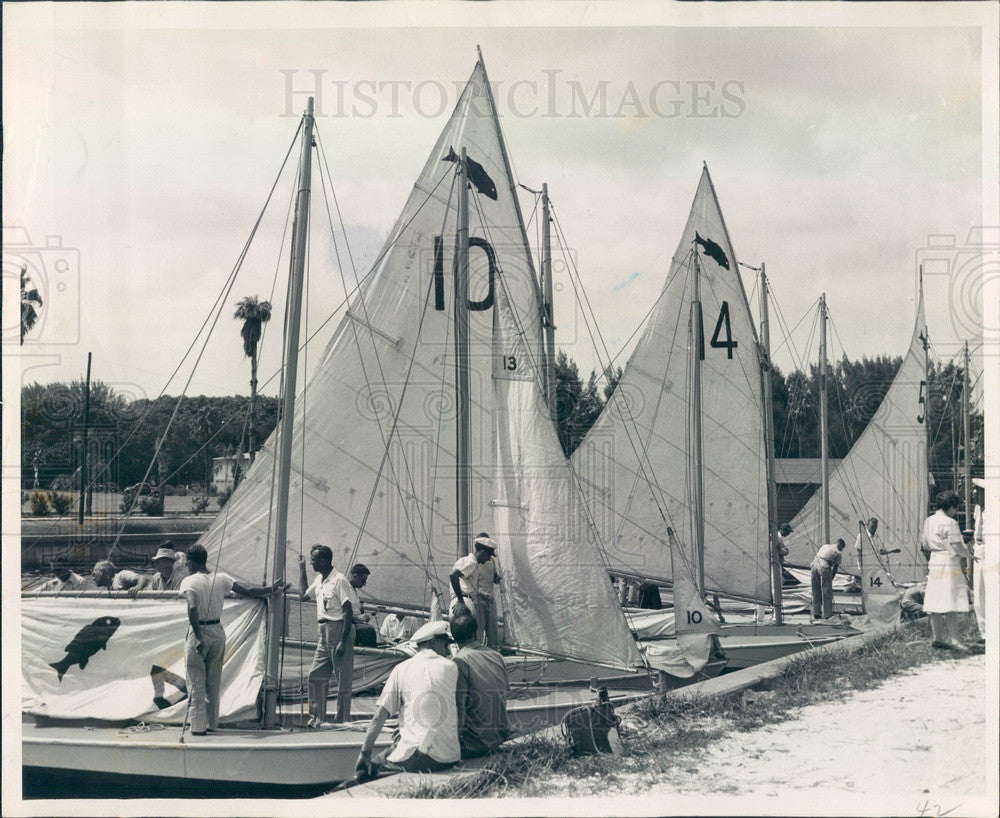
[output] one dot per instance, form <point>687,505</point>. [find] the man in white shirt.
<point>204,592</point>
<point>65,579</point>
<point>337,611</point>
<point>823,570</point>
<point>473,578</point>
<point>421,691</point>
<point>947,593</point>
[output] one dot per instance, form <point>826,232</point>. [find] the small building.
<point>224,470</point>
<point>796,480</point>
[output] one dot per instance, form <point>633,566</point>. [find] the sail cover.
<point>373,474</point>
<point>635,461</point>
<point>558,597</point>
<point>884,475</point>
<point>120,659</point>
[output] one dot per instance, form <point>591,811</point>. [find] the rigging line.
<point>368,381</point>
<point>220,298</point>
<point>444,376</point>
<point>539,390</point>
<point>395,424</point>
<point>623,407</point>
<point>378,361</point>
<point>652,483</point>
<point>853,481</point>
<point>625,411</point>
<point>386,442</point>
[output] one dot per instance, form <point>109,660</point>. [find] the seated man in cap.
<point>170,568</point>
<point>482,691</point>
<point>65,579</point>
<point>421,691</point>
<point>472,580</point>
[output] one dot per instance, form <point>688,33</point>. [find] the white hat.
<point>432,629</point>
<point>164,553</point>
<point>485,542</point>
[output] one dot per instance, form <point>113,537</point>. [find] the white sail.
<point>884,475</point>
<point>373,475</point>
<point>635,461</point>
<point>557,593</point>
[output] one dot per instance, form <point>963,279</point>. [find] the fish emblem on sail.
<point>712,250</point>
<point>477,174</point>
<point>88,641</point>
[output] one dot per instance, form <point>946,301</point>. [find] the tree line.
<point>124,435</point>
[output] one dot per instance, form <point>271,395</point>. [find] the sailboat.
<point>636,462</point>
<point>384,474</point>
<point>884,475</point>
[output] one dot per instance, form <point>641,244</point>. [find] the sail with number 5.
<point>635,462</point>
<point>884,475</point>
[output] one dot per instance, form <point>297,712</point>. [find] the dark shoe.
<point>202,733</point>
<point>941,645</point>
<point>161,703</point>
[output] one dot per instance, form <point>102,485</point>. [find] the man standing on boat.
<point>421,691</point>
<point>473,578</point>
<point>204,591</point>
<point>947,593</point>
<point>823,570</point>
<point>337,606</point>
<point>979,554</point>
<point>481,694</point>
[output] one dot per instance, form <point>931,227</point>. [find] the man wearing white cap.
<point>421,691</point>
<point>473,578</point>
<point>171,568</point>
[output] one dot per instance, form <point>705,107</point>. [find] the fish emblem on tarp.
<point>86,643</point>
<point>712,250</point>
<point>477,174</point>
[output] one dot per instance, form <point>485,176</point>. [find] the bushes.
<point>223,497</point>
<point>199,504</point>
<point>39,503</point>
<point>61,503</point>
<point>151,505</point>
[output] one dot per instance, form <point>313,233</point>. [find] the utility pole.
<point>966,440</point>
<point>86,496</point>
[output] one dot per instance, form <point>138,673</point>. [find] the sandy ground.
<point>919,738</point>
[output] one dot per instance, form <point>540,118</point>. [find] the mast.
<point>774,560</point>
<point>698,350</point>
<point>823,421</point>
<point>548,310</point>
<point>300,230</point>
<point>926,391</point>
<point>463,494</point>
<point>966,437</point>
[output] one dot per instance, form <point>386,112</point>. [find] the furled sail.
<point>558,597</point>
<point>634,462</point>
<point>884,475</point>
<point>375,423</point>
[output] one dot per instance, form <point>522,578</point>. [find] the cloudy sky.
<point>145,140</point>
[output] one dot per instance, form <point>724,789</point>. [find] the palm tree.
<point>29,298</point>
<point>253,314</point>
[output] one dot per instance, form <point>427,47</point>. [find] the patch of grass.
<point>660,735</point>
